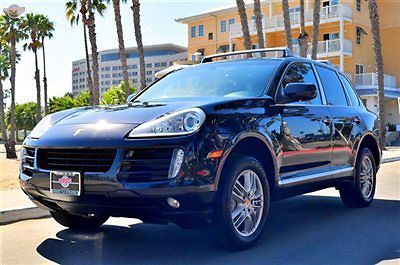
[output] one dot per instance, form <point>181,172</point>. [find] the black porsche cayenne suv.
<point>208,146</point>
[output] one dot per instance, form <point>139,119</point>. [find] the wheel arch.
<point>256,145</point>
<point>369,140</point>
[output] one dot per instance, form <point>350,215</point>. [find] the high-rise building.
<point>345,39</point>
<point>157,57</point>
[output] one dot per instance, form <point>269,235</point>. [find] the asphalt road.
<point>311,229</point>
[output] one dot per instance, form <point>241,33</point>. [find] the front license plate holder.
<point>65,182</point>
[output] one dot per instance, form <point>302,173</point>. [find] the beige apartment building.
<point>345,39</point>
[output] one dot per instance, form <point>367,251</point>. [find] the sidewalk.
<point>391,154</point>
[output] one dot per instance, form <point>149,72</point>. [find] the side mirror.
<point>294,92</point>
<point>130,97</point>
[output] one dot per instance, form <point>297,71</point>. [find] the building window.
<point>193,31</point>
<point>149,72</point>
<point>359,69</point>
<point>358,5</point>
<point>231,21</point>
<point>148,65</point>
<point>210,36</point>
<point>358,35</point>
<point>223,25</point>
<point>201,30</point>
<point>157,64</point>
<point>149,79</point>
<point>164,64</point>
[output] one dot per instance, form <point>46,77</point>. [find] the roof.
<point>218,11</point>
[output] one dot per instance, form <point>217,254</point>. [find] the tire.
<point>360,193</point>
<point>78,222</point>
<point>255,207</point>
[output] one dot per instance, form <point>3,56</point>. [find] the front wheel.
<point>361,192</point>
<point>242,204</point>
<point>78,222</point>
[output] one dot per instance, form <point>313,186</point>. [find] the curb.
<point>391,159</point>
<point>21,214</point>
<point>26,213</point>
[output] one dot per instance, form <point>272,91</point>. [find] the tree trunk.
<point>11,140</point>
<point>303,37</point>
<point>89,72</point>
<point>315,33</point>
<point>138,35</point>
<point>2,119</point>
<point>38,116</point>
<point>95,56</point>
<point>374,17</point>
<point>286,21</point>
<point>121,45</point>
<point>44,79</point>
<point>259,26</point>
<point>245,26</point>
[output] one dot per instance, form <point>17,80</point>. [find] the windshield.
<point>223,79</point>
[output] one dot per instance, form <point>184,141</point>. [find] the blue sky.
<point>158,26</point>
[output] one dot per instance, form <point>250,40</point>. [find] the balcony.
<point>329,48</point>
<point>371,79</point>
<point>276,23</point>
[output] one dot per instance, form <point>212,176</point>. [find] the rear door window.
<point>332,86</point>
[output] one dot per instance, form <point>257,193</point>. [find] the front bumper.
<point>106,194</point>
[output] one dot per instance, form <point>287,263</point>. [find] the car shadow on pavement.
<point>302,230</point>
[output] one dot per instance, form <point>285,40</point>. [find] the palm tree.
<point>374,17</point>
<point>138,35</point>
<point>259,26</point>
<point>303,37</point>
<point>243,21</point>
<point>315,33</point>
<point>46,29</point>
<point>4,66</point>
<point>30,24</point>
<point>286,21</point>
<point>75,11</point>
<point>122,54</point>
<point>99,6</point>
<point>9,25</point>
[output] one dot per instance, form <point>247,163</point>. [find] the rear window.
<point>355,101</point>
<point>332,86</point>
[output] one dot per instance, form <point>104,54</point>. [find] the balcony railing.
<point>275,22</point>
<point>371,79</point>
<point>327,48</point>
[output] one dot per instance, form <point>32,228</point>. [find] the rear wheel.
<point>361,192</point>
<point>242,204</point>
<point>78,222</point>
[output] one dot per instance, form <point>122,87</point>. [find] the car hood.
<point>124,114</point>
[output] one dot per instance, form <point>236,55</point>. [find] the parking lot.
<point>311,229</point>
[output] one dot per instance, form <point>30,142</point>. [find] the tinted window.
<point>302,73</point>
<point>332,86</point>
<point>223,79</point>
<point>350,91</point>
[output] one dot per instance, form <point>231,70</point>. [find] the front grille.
<point>82,160</point>
<point>28,160</point>
<point>142,165</point>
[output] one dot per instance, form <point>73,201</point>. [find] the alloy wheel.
<point>367,177</point>
<point>247,203</point>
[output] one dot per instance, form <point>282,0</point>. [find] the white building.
<point>157,57</point>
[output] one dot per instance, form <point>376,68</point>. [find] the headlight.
<point>177,123</point>
<point>41,127</point>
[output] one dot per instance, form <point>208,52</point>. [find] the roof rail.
<point>286,52</point>
<point>327,62</point>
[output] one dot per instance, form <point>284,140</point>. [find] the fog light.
<point>173,203</point>
<point>176,163</point>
